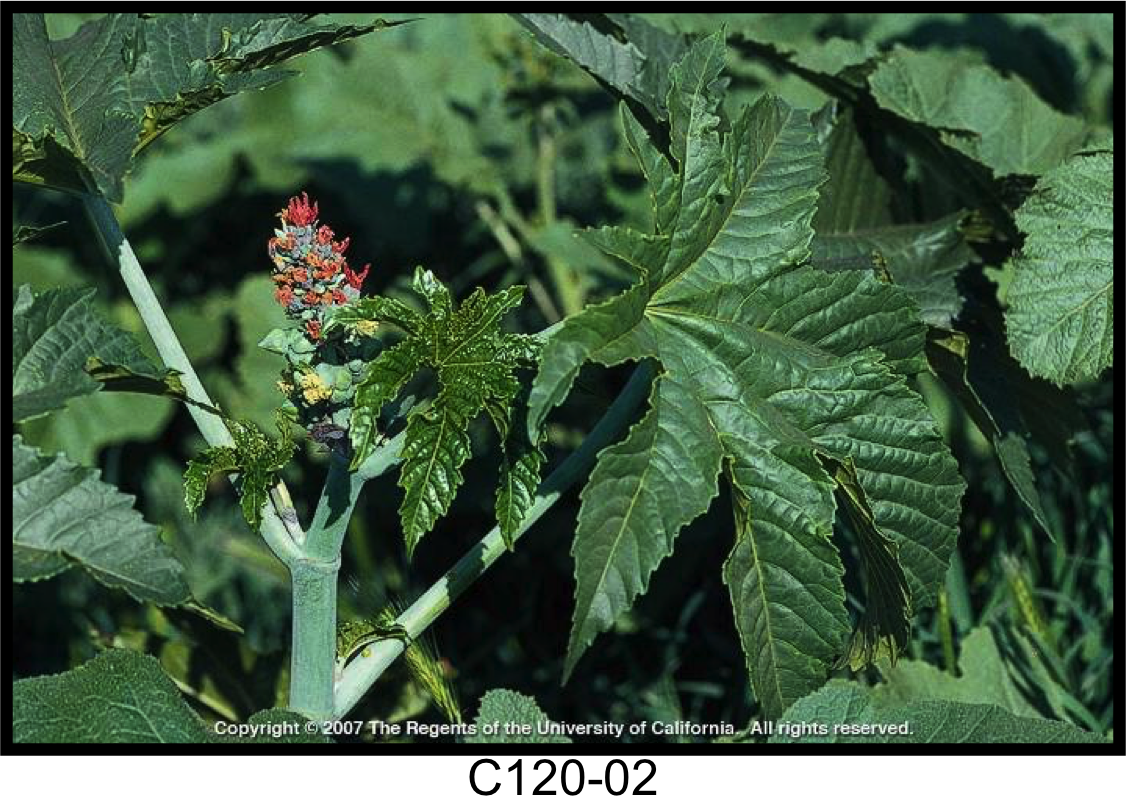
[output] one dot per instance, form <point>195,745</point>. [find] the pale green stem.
<point>284,536</point>
<point>313,654</point>
<point>315,576</point>
<point>362,672</point>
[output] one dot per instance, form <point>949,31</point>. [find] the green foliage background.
<point>456,143</point>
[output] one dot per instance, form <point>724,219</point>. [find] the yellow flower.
<point>367,327</point>
<point>313,389</point>
<point>286,387</point>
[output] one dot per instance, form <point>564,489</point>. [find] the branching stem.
<point>362,672</point>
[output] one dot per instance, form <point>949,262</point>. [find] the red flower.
<point>299,212</point>
<point>356,279</point>
<point>310,271</point>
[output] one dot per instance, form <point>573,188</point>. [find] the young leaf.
<point>476,367</point>
<point>521,459</point>
<point>63,514</point>
<point>257,458</point>
<point>211,461</point>
<point>1061,311</point>
<point>777,368</point>
<point>121,378</point>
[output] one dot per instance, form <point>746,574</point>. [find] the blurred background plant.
<point>457,143</point>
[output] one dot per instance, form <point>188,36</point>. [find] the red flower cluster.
<point>310,271</point>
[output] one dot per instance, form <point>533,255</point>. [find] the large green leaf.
<point>996,120</point>
<point>1061,299</point>
<point>63,514</point>
<point>55,334</point>
<point>932,722</point>
<point>118,697</point>
<point>954,99</point>
<point>83,106</point>
<point>786,372</point>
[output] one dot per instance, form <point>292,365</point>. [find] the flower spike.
<point>310,271</point>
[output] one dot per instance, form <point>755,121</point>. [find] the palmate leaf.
<point>1061,304</point>
<point>476,364</point>
<point>84,106</point>
<point>854,223</point>
<point>777,373</point>
<point>956,100</point>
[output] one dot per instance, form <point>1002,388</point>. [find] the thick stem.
<point>313,654</point>
<point>362,672</point>
<point>284,537</point>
